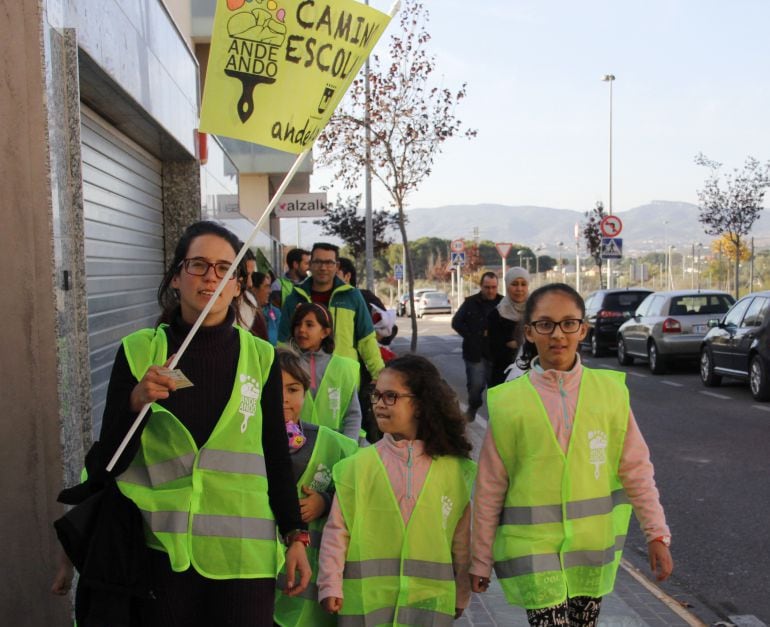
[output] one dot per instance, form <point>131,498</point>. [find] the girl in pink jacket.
<point>561,461</point>
<point>395,548</point>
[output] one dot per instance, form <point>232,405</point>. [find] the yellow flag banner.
<point>277,69</point>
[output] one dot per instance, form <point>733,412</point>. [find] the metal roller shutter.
<point>124,246</point>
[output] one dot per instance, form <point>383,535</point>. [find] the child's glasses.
<point>546,327</point>
<point>388,397</point>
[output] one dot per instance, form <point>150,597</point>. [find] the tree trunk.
<point>736,282</point>
<point>409,275</point>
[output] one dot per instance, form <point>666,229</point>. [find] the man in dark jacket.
<point>470,322</point>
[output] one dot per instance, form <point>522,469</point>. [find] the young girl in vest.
<point>395,547</point>
<point>210,472</point>
<point>562,465</point>
<point>332,399</point>
<point>314,452</point>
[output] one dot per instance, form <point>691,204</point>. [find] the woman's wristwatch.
<point>297,535</point>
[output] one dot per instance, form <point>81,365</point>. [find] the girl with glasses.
<point>209,478</point>
<point>395,547</point>
<point>332,398</point>
<point>314,451</point>
<point>562,465</point>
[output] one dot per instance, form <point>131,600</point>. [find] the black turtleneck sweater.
<point>210,362</point>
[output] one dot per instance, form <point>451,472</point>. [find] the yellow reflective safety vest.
<point>207,507</point>
<point>332,398</point>
<point>565,517</point>
<point>396,574</point>
<point>304,610</point>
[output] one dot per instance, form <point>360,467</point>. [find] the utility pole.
<point>369,225</point>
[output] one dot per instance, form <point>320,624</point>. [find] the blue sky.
<point>691,76</point>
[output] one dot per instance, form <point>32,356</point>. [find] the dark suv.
<point>739,346</point>
<point>606,310</point>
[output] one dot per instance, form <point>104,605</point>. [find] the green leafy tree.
<point>396,126</point>
<point>592,235</point>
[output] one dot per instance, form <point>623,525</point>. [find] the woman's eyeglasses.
<point>388,397</point>
<point>546,327</point>
<point>199,267</point>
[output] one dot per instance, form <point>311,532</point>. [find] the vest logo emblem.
<point>249,399</point>
<point>322,478</point>
<point>597,445</point>
<point>447,505</point>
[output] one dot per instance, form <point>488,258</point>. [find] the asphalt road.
<point>710,447</point>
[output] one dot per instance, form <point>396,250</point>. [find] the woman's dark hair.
<point>322,316</point>
<point>440,423</point>
<point>529,350</point>
<point>291,362</point>
<point>168,298</point>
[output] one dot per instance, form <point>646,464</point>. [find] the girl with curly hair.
<point>395,547</point>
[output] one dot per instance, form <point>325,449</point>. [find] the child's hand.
<point>62,582</point>
<point>296,564</point>
<point>661,562</point>
<point>479,584</point>
<point>153,386</point>
<point>333,605</point>
<point>312,506</point>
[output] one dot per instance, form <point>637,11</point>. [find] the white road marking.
<point>673,384</point>
<point>715,395</point>
<point>637,374</point>
<point>762,407</point>
<point>458,350</point>
<point>746,620</point>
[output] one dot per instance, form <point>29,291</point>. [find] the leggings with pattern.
<point>574,612</point>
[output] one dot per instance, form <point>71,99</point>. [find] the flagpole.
<point>178,355</point>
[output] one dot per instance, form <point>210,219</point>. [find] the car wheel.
<point>624,359</point>
<point>760,387</point>
<point>596,349</point>
<point>657,363</point>
<point>707,375</point>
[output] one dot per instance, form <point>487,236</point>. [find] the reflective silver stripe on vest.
<point>594,558</point>
<point>596,507</point>
<point>522,515</point>
<point>527,565</point>
<point>539,514</point>
<point>392,568</point>
<point>428,570</point>
<point>230,461</point>
<point>166,522</point>
<point>420,616</point>
<point>310,593</point>
<point>531,564</point>
<point>372,619</point>
<point>160,473</point>
<point>233,527</point>
<point>372,568</point>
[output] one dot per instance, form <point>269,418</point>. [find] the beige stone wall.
<point>30,467</point>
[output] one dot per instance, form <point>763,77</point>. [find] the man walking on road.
<point>470,322</point>
<point>353,329</point>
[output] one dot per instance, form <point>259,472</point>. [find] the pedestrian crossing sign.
<point>612,247</point>
<point>457,258</point>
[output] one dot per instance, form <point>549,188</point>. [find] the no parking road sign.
<point>612,248</point>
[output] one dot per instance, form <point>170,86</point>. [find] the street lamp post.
<point>610,78</point>
<point>520,253</point>
<point>670,267</point>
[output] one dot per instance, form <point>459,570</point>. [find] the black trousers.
<point>189,599</point>
<point>575,612</point>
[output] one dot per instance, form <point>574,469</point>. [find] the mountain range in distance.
<point>649,227</point>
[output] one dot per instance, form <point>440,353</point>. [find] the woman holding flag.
<point>210,471</point>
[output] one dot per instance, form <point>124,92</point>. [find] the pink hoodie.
<point>407,484</point>
<point>559,392</point>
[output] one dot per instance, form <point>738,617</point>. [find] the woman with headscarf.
<point>505,323</point>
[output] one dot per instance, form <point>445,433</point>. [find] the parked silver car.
<point>417,295</point>
<point>670,325</point>
<point>432,302</point>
